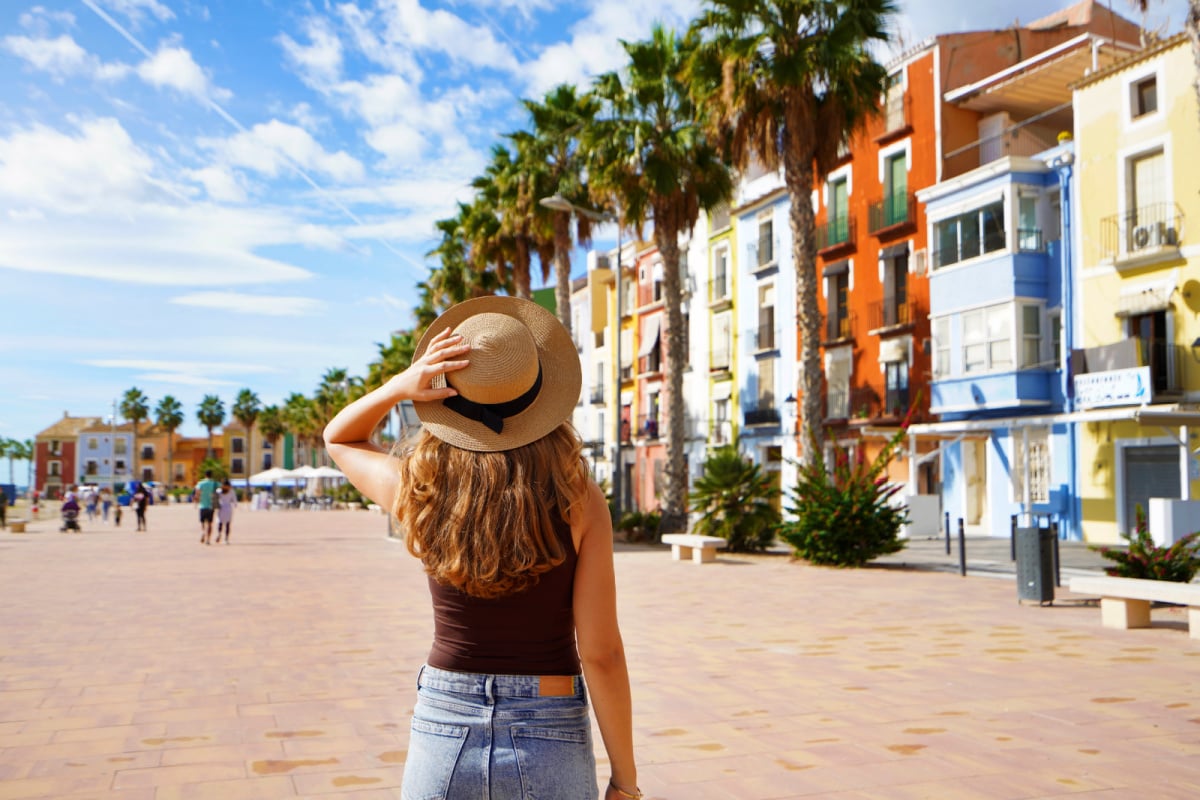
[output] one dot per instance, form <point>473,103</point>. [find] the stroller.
<point>70,517</point>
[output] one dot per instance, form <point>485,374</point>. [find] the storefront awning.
<point>1145,301</point>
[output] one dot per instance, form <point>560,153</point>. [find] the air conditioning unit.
<point>1155,234</point>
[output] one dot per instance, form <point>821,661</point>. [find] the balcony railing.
<point>892,312</point>
<point>765,339</point>
<point>891,212</point>
<point>1142,232</point>
<point>627,372</point>
<point>1029,240</point>
<point>836,232</point>
<point>650,363</point>
<point>896,402</point>
<point>838,328</point>
<point>647,426</point>
<point>147,453</point>
<point>719,289</point>
<point>864,403</point>
<point>597,395</point>
<point>969,248</point>
<point>720,432</point>
<point>763,415</point>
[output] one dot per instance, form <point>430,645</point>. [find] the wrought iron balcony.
<point>650,363</point>
<point>1029,240</point>
<point>892,211</point>
<point>839,328</point>
<point>765,339</point>
<point>837,232</point>
<point>896,402</point>
<point>892,312</point>
<point>647,426</point>
<point>597,395</point>
<point>864,403</point>
<point>1143,232</point>
<point>763,415</point>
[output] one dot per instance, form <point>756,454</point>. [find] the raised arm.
<point>348,435</point>
<point>600,647</point>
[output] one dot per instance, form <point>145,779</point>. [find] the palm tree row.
<point>780,82</point>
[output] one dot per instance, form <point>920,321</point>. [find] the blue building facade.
<point>1001,319</point>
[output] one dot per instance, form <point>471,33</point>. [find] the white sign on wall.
<point>1118,387</point>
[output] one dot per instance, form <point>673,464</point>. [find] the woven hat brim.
<point>562,379</point>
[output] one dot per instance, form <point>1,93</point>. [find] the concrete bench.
<point>17,525</point>
<point>1125,602</point>
<point>700,549</point>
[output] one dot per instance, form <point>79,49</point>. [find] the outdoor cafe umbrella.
<point>327,472</point>
<point>270,476</point>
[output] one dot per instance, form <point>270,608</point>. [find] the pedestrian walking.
<point>495,498</point>
<point>203,495</point>
<point>91,501</point>
<point>106,502</point>
<point>3,508</point>
<point>141,499</point>
<point>226,501</point>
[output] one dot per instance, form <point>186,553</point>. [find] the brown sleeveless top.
<point>528,633</point>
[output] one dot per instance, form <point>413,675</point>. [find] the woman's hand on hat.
<point>416,382</point>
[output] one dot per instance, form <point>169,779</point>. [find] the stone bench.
<point>700,549</point>
<point>17,525</point>
<point>1125,602</point>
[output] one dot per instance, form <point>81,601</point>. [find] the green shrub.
<point>842,512</point>
<point>639,526</point>
<point>1144,559</point>
<point>219,472</point>
<point>734,498</point>
<point>346,493</point>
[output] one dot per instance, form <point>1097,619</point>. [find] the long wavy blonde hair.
<point>483,523</point>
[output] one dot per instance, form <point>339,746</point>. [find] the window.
<point>720,282</point>
<point>1029,237</point>
<point>987,339</point>
<point>969,235</point>
<point>120,446</point>
<point>266,444</point>
<point>1055,325</point>
<point>237,466</point>
<point>720,217</point>
<point>722,343</point>
<point>91,467</point>
<point>93,443</point>
<point>766,242</point>
<point>941,347</point>
<point>894,102</point>
<point>1031,336</point>
<point>839,212</point>
<point>147,473</point>
<point>839,306</point>
<point>894,208</point>
<point>238,444</point>
<point>658,281</point>
<point>1039,464</point>
<point>147,452</point>
<point>766,317</point>
<point>1145,97</point>
<point>895,291</point>
<point>119,466</point>
<point>268,461</point>
<point>55,469</point>
<point>766,383</point>
<point>1148,179</point>
<point>896,402</point>
<point>627,354</point>
<point>838,365</point>
<point>179,473</point>
<point>721,432</point>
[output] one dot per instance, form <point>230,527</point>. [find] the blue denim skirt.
<point>494,737</point>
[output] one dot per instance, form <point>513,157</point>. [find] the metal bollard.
<point>1057,574</point>
<point>947,529</point>
<point>962,549</point>
<point>1012,538</point>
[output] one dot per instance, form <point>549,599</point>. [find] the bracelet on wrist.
<point>636,794</point>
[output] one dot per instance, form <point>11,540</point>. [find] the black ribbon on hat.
<point>493,414</point>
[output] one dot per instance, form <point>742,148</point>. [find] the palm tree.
<point>211,414</point>
<point>734,498</point>
<point>300,416</point>
<point>169,416</point>
<point>272,426</point>
<point>25,452</point>
<point>8,449</point>
<point>246,408</point>
<point>559,122</point>
<point>650,153</point>
<point>135,407</point>
<point>788,81</point>
<point>457,276</point>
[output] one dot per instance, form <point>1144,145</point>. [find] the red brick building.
<point>56,454</point>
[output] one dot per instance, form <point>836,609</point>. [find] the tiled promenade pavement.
<point>149,666</point>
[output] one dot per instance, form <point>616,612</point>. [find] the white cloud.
<point>196,367</point>
<point>173,67</point>
<point>271,306</point>
<point>61,57</point>
<point>320,61</point>
<point>268,148</point>
<point>220,183</point>
<point>38,19</point>
<point>137,10</point>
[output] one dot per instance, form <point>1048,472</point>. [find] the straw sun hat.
<point>522,382</point>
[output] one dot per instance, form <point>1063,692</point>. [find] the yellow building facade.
<point>722,328</point>
<point>1137,372</point>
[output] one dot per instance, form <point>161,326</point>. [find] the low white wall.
<point>1170,520</point>
<point>924,516</point>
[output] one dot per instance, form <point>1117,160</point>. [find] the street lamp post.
<point>560,203</point>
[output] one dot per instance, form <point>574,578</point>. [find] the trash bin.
<point>1035,564</point>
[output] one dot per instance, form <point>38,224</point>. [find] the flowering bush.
<point>1144,559</point>
<point>844,515</point>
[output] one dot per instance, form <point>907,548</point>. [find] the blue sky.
<point>202,195</point>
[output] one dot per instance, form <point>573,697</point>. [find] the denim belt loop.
<point>489,689</point>
<point>420,672</point>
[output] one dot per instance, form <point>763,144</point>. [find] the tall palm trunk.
<point>521,277</point>
<point>209,454</point>
<point>1192,26</point>
<point>133,457</point>
<point>798,175</point>
<point>170,460</point>
<point>675,472</point>
<point>249,457</point>
<point>562,268</point>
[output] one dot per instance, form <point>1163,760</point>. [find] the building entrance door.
<point>1149,472</point>
<point>975,473</point>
